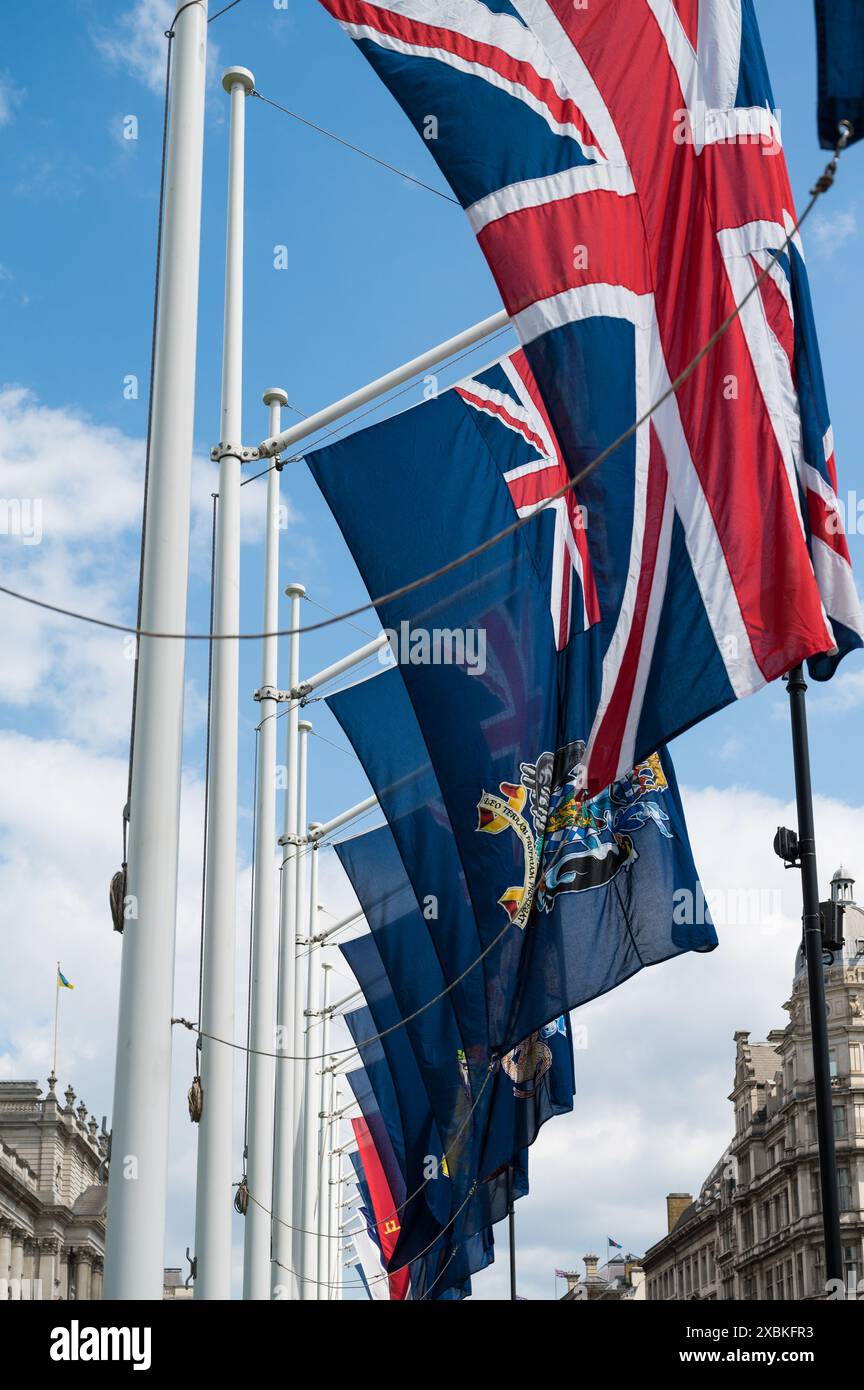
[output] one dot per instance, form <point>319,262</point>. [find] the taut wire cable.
<point>821,186</point>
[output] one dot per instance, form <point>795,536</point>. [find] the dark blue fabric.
<point>426,1233</point>
<point>486,1120</point>
<point>840,43</point>
<point>443,1272</point>
<point>438,493</point>
<point>414,947</point>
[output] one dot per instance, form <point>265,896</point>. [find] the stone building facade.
<point>53,1194</point>
<point>619,1281</point>
<point>755,1229</point>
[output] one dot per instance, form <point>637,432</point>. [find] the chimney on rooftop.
<point>676,1202</point>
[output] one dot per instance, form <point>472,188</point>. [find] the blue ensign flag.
<point>613,876</point>
<point>489,1109</point>
<point>426,1230</point>
<point>401,1128</point>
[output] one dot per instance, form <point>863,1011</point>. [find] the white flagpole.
<point>335,1189</point>
<point>213,1206</point>
<point>259,1162</point>
<point>339,667</point>
<point>56,1018</point>
<point>142,1077</point>
<point>383,384</point>
<point>304,728</point>
<point>324,1131</point>
<point>283,1283</point>
<point>317,832</point>
<point>309,1266</point>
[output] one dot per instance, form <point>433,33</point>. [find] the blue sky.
<point>378,270</point>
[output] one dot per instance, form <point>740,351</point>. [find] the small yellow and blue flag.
<point>62,982</point>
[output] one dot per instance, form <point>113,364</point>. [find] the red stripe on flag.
<point>688,13</point>
<point>685,199</point>
<point>383,1205</point>
<point>589,587</point>
<point>606,751</point>
<point>826,525</point>
<point>591,238</point>
<point>419,35</point>
<point>495,408</point>
<point>529,489</point>
<point>777,313</point>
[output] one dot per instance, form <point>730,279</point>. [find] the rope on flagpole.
<point>195,1095</point>
<point>822,185</point>
<point>412,1196</point>
<point>386,1275</point>
<point>363,1042</point>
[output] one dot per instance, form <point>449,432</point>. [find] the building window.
<point>859,1117</point>
<point>839,1121</point>
<point>855,1057</point>
<point>811,1126</point>
<point>766,1219</point>
<point>784,1207</point>
<point>850,1268</point>
<point>815,1191</point>
<point>796,1206</point>
<point>832,1063</point>
<point>791,1137</point>
<point>799,1271</point>
<point>744,1169</point>
<point>747,1228</point>
<point>769,1284</point>
<point>779,1294</point>
<point>818,1271</point>
<point>845,1185</point>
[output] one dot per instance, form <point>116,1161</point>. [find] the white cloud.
<point>829,231</point>
<point>11,96</point>
<point>136,41</point>
<point>10,288</point>
<point>651,1113</point>
<point>843,693</point>
<point>74,489</point>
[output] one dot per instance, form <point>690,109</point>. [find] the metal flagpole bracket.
<point>226,450</point>
<point>269,692</point>
<point>292,839</point>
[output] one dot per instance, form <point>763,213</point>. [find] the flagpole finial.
<point>52,1082</point>
<point>242,77</point>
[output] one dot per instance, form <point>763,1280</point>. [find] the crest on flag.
<point>573,842</point>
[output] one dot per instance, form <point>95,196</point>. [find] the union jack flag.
<point>620,163</point>
<point>507,392</point>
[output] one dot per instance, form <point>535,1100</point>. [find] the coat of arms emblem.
<point>572,842</point>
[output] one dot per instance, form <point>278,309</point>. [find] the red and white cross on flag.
<point>533,484</point>
<point>620,162</point>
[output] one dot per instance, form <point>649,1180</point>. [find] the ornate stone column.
<point>31,1251</point>
<point>48,1249</point>
<point>64,1273</point>
<point>16,1265</point>
<point>96,1281</point>
<point>83,1270</point>
<point>5,1248</point>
